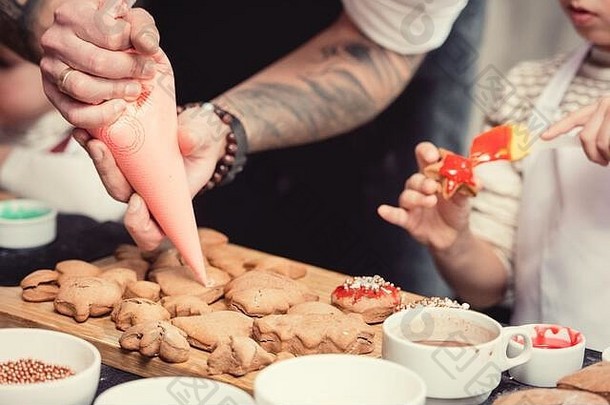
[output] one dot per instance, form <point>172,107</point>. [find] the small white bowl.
<point>26,224</point>
<point>56,348</point>
<point>548,365</point>
<point>174,390</point>
<point>338,379</point>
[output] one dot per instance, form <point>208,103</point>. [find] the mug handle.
<point>508,333</point>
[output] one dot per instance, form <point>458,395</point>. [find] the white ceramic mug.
<point>338,379</point>
<point>470,366</point>
<point>547,366</point>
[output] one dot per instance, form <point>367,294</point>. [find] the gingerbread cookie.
<point>314,333</point>
<point>127,252</point>
<point>372,297</point>
<point>133,311</point>
<point>171,260</point>
<point>157,339</point>
<point>266,279</point>
<point>82,297</point>
<point>259,293</point>
<point>40,286</point>
<point>278,265</point>
<point>454,172</point>
<point>180,281</point>
<point>207,331</point>
<point>211,237</point>
<point>120,275</point>
<point>238,357</point>
<point>143,289</point>
<point>549,396</point>
<point>185,305</point>
<point>140,266</point>
<point>594,378</point>
<point>314,307</point>
<point>257,302</point>
<point>167,258</point>
<point>284,356</point>
<point>75,268</point>
<point>227,258</point>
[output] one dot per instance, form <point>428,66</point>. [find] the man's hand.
<point>87,73</point>
<point>201,136</point>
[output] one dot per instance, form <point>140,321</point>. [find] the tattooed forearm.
<point>311,109</point>
<point>329,86</point>
<point>17,27</point>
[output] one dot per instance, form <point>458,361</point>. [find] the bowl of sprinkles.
<point>434,302</point>
<point>40,366</point>
<point>30,371</point>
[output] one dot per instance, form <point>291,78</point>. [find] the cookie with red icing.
<point>372,297</point>
<point>455,174</point>
<point>504,142</point>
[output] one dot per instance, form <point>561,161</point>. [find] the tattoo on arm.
<point>17,19</point>
<point>355,81</point>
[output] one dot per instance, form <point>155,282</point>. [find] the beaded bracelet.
<point>234,159</point>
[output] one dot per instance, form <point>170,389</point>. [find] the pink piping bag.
<point>144,143</point>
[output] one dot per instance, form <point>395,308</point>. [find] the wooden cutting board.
<point>102,333</point>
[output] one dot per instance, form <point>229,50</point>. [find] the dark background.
<point>313,203</point>
<point>318,203</point>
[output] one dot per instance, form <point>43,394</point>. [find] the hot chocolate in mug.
<point>458,353</point>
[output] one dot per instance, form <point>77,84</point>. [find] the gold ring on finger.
<point>63,79</point>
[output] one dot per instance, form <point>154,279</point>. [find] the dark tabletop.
<point>111,377</point>
<point>79,237</point>
<point>508,384</point>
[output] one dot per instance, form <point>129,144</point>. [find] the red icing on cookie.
<point>491,145</point>
<point>456,171</point>
<point>366,287</point>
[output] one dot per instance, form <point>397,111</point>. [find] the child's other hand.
<point>595,134</point>
<point>431,220</point>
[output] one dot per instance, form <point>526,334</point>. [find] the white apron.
<point>562,252</point>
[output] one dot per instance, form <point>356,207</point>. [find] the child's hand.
<point>595,134</point>
<point>431,220</point>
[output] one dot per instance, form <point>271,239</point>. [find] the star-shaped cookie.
<point>454,173</point>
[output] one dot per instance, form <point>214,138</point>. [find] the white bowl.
<point>26,224</point>
<point>464,370</point>
<point>338,379</point>
<point>56,348</point>
<point>606,354</point>
<point>174,390</point>
<point>547,366</point>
